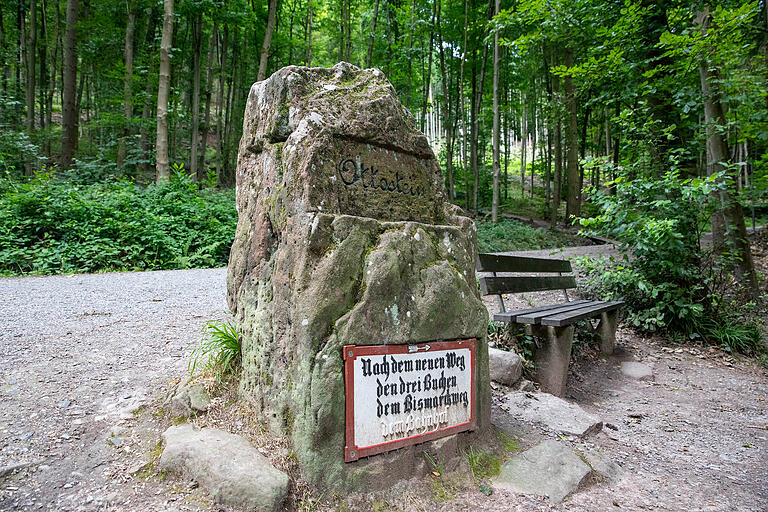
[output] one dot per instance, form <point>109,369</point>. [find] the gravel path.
<point>77,354</point>
<point>80,354</point>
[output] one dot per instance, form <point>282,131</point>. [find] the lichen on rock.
<point>345,237</point>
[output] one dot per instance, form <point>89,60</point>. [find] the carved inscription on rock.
<point>371,181</point>
<point>405,394</point>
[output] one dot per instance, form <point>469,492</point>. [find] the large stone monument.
<point>345,239</point>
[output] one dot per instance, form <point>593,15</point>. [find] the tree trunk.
<point>428,74</point>
<point>573,204</point>
<point>69,124</point>
<point>496,163</point>
<point>163,85</point>
<point>446,108</point>
<point>208,93</point>
<point>3,50</point>
<point>410,54</point>
<point>267,41</point>
<point>127,81</point>
<point>476,132</point>
<point>733,239</point>
<point>220,104</point>
<point>31,50</point>
<point>462,106</point>
<point>197,41</point>
<point>309,36</point>
<point>523,145</point>
<point>373,33</point>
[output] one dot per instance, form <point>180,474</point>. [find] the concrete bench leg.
<point>552,359</point>
<point>607,331</point>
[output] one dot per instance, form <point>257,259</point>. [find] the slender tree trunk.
<point>524,145</point>
<point>127,81</point>
<point>446,108</point>
<point>496,163</point>
<point>42,55</point>
<point>428,73</point>
<point>534,140</point>
<point>267,41</point>
<point>373,34</point>
<point>410,54</point>
<point>3,50</point>
<point>734,237</point>
<point>31,51</point>
<point>164,80</point>
<point>69,107</point>
<point>573,205</point>
<point>462,106</point>
<point>348,30</point>
<point>208,92</point>
<point>220,105</point>
<point>476,131</point>
<point>197,41</point>
<point>310,13</point>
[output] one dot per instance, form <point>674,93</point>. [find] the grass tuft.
<point>219,351</point>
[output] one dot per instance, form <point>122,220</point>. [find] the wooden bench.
<point>554,323</point>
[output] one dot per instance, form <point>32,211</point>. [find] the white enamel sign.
<point>398,395</point>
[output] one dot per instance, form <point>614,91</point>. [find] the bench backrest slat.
<point>503,263</point>
<point>491,285</point>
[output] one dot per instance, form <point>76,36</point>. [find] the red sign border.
<point>352,452</point>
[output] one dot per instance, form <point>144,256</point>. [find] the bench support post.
<point>607,331</point>
<point>553,357</point>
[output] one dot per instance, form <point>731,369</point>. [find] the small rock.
<point>548,469</point>
<point>604,468</point>
<point>63,404</point>
<point>526,385</point>
<point>186,398</point>
<point>117,442</point>
<point>26,436</point>
<point>506,367</point>
<point>636,370</point>
<point>226,465</point>
<point>553,412</point>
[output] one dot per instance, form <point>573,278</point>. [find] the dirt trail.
<point>79,354</point>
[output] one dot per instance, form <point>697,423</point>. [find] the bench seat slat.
<point>574,315</point>
<point>491,285</point>
<point>511,316</point>
<point>535,318</point>
<point>504,263</point>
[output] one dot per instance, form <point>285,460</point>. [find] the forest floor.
<point>86,359</point>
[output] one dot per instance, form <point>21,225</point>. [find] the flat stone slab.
<point>506,367</point>
<point>548,469</point>
<point>226,465</point>
<point>552,412</point>
<point>635,370</point>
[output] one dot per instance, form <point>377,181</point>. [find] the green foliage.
<point>483,465</point>
<point>49,226</point>
<point>511,235</point>
<point>666,279</point>
<point>658,224</point>
<point>219,350</point>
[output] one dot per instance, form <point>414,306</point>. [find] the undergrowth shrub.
<point>668,282</point>
<point>511,235</point>
<point>50,226</point>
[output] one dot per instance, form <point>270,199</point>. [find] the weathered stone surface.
<point>186,398</point>
<point>603,468</point>
<point>635,370</point>
<point>548,469</point>
<point>226,465</point>
<point>554,413</point>
<point>505,367</point>
<point>324,257</point>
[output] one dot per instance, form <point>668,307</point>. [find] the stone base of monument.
<point>352,279</point>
